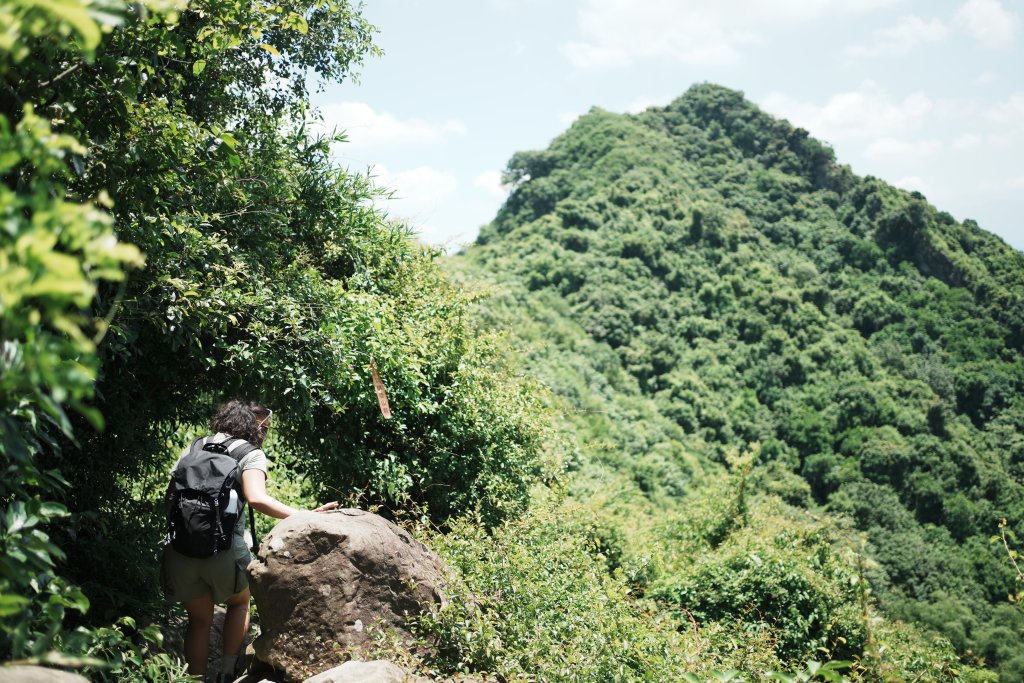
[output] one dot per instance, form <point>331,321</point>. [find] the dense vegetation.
<point>173,140</point>
<point>776,397</point>
<point>712,278</point>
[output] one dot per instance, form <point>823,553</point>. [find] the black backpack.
<point>198,523</point>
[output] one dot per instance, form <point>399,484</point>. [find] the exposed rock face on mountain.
<point>323,582</point>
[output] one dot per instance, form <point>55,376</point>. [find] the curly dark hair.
<point>236,418</point>
<point>259,410</point>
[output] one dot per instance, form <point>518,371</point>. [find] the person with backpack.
<point>205,553</point>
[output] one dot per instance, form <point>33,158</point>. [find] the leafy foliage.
<point>720,269</point>
<point>531,604</point>
<point>267,273</point>
<point>56,249</point>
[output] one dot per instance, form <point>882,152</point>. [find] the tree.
<point>57,248</point>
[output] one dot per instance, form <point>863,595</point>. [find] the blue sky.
<point>926,95</point>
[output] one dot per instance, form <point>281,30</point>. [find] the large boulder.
<point>37,674</point>
<point>378,671</point>
<point>323,582</point>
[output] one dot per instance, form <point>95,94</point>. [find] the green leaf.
<point>11,604</point>
<point>271,49</point>
<point>75,14</point>
<point>51,510</point>
<point>93,415</point>
<point>8,159</point>
<point>198,66</point>
<point>296,22</point>
<point>78,601</point>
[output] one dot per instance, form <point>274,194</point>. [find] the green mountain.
<point>702,280</point>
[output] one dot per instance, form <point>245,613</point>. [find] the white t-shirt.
<point>256,460</point>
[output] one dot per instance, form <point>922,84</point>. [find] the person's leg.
<point>197,637</point>
<point>236,625</point>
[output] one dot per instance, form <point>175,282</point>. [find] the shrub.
<point>534,601</point>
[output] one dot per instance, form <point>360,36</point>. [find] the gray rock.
<point>37,674</point>
<point>365,672</point>
<point>323,582</point>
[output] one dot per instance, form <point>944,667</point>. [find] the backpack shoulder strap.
<point>239,452</point>
<point>242,450</point>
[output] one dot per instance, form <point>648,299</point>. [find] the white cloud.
<point>367,127</point>
<point>913,184</point>
<point>490,182</point>
<point>985,78</point>
<point>616,33</point>
<point>1010,113</point>
<point>1002,186</point>
<point>594,56</point>
<point>902,149</point>
<point>568,117</point>
<point>967,141</point>
<point>418,193</point>
<point>640,104</point>
<point>512,5</point>
<point>868,113</point>
<point>989,23</point>
<point>907,34</point>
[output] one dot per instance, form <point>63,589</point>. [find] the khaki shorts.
<point>187,578</point>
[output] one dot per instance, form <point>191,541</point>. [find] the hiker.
<point>205,556</point>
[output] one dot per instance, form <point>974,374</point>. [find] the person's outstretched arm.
<point>254,488</point>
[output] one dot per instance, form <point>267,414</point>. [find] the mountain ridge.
<point>757,291</point>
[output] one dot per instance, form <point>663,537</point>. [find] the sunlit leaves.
<point>717,278</point>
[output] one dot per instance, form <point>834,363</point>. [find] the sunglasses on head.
<point>264,423</point>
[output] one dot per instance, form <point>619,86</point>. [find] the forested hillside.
<point>716,281</point>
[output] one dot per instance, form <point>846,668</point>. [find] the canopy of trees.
<point>726,271</point>
<point>174,236</point>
